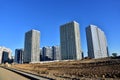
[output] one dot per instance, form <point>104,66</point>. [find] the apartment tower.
<point>31,46</point>
<point>56,52</point>
<point>70,41</point>
<point>96,41</point>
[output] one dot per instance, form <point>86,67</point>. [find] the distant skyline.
<point>20,16</point>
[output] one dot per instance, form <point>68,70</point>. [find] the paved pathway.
<point>9,75</point>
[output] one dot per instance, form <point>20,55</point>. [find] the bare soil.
<point>88,69</point>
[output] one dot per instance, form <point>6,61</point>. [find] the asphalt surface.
<point>9,75</point>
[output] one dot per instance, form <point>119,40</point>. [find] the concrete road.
<point>9,75</point>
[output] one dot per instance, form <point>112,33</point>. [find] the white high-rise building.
<point>96,41</point>
<point>5,54</point>
<point>31,47</point>
<point>70,41</point>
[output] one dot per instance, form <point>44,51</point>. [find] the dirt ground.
<point>87,69</point>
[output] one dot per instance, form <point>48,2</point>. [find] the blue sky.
<point>20,16</point>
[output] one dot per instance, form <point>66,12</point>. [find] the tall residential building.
<point>5,54</point>
<point>70,41</point>
<point>47,53</point>
<point>31,46</point>
<point>96,41</point>
<point>56,52</point>
<point>19,56</point>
